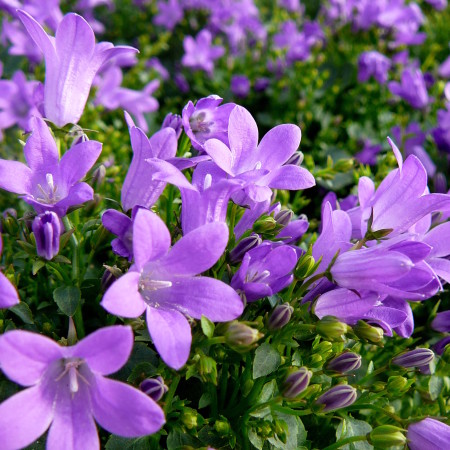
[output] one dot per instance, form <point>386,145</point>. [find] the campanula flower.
<point>428,434</point>
<point>8,293</point>
<point>47,230</point>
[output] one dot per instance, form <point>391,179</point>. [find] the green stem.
<point>345,441</point>
<point>292,412</point>
<point>75,250</point>
<point>372,374</point>
<point>375,408</point>
<point>223,385</point>
<point>169,205</point>
<point>232,224</point>
<point>170,394</point>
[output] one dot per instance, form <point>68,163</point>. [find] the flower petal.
<point>8,293</point>
<point>25,356</point>
<point>116,222</point>
<point>288,177</point>
<point>171,334</point>
<point>124,410</point>
<point>197,296</point>
<point>123,297</point>
<point>24,417</point>
<point>14,177</point>
<point>220,154</point>
<point>107,349</point>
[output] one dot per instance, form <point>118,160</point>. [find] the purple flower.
<point>67,389</point>
<point>441,133</point>
<point>170,13</point>
<point>19,101</point>
<point>154,388</point>
<point>337,397</point>
<point>368,155</point>
<point>280,317</point>
<point>47,183</point>
<point>240,86</point>
<point>415,358</point>
<point>260,166</point>
<point>162,282</point>
<point>440,5</point>
<point>200,54</point>
<point>296,382</point>
<point>207,120</point>
<point>72,59</point>
<point>345,362</point>
<point>8,293</point>
<point>265,270</point>
<point>441,345</point>
<point>428,434</point>
<point>441,322</point>
<point>112,96</point>
<point>47,230</point>
<point>292,5</point>
<point>412,88</point>
<point>173,121</point>
<point>374,64</point>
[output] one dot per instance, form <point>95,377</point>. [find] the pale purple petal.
<point>40,150</point>
<point>15,177</point>
<point>439,239</point>
<point>397,154</point>
<point>107,349</point>
<point>288,177</point>
<point>171,334</point>
<point>220,154</point>
<point>124,410</point>
<point>25,356</point>
<point>78,194</point>
<point>151,238</point>
<point>201,295</point>
<point>123,297</point>
<point>77,161</point>
<point>197,251</point>
<point>278,145</point>
<point>164,144</point>
<point>442,267</point>
<point>115,222</point>
<point>24,417</point>
<point>8,293</point>
<point>166,172</point>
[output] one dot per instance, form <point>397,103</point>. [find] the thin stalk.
<point>345,441</point>
<point>169,397</point>
<point>375,408</point>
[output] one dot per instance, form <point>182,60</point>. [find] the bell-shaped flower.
<point>47,183</point>
<point>265,270</point>
<point>72,58</point>
<point>47,230</point>
<point>67,390</point>
<point>8,293</point>
<point>163,283</point>
<point>428,434</point>
<point>260,166</point>
<point>412,88</point>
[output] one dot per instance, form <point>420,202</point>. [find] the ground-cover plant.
<point>267,182</point>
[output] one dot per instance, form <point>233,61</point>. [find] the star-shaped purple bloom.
<point>8,293</point>
<point>47,183</point>
<point>67,390</point>
<point>163,283</point>
<point>72,58</point>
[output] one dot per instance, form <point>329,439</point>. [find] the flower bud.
<point>246,244</point>
<point>398,385</point>
<point>110,275</point>
<point>241,337</point>
<point>441,322</point>
<point>440,346</point>
<point>280,316</point>
<point>296,382</point>
<point>343,165</point>
<point>414,358</point>
<point>189,418</point>
<point>223,427</point>
<point>428,434</point>
<point>154,388</point>
<point>265,224</point>
<point>337,397</point>
<point>47,229</point>
<point>296,159</point>
<point>345,362</point>
<point>284,217</point>
<point>329,327</point>
<point>368,332</point>
<point>98,177</point>
<point>387,436</point>
<point>173,121</point>
<point>305,267</point>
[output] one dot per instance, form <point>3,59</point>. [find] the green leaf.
<point>205,400</point>
<point>266,361</point>
<point>178,440</point>
<point>37,266</point>
<point>256,441</point>
<point>435,386</point>
<point>23,311</point>
<point>207,327</point>
<point>67,298</point>
<point>141,371</point>
<point>351,427</point>
<point>121,443</point>
<point>295,436</point>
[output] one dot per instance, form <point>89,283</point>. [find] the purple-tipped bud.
<point>47,230</point>
<point>415,358</point>
<point>337,397</point>
<point>173,121</point>
<point>284,217</point>
<point>296,159</point>
<point>441,322</point>
<point>368,332</point>
<point>154,388</point>
<point>238,252</point>
<point>439,347</point>
<point>110,275</point>
<point>346,362</point>
<point>296,382</point>
<point>440,183</point>
<point>428,434</point>
<point>280,316</point>
<point>329,327</point>
<point>241,336</point>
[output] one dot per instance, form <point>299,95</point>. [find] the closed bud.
<point>387,436</point>
<point>305,267</point>
<point>173,121</point>
<point>222,427</point>
<point>238,252</point>
<point>378,386</point>
<point>329,327</point>
<point>296,382</point>
<point>345,362</point>
<point>442,347</point>
<point>284,217</point>
<point>9,222</point>
<point>296,159</point>
<point>207,369</point>
<point>241,337</point>
<point>47,230</point>
<point>110,275</point>
<point>337,397</point>
<point>154,388</point>
<point>98,177</point>
<point>397,385</point>
<point>189,418</point>
<point>368,332</point>
<point>265,224</point>
<point>415,358</point>
<point>280,316</point>
<point>343,165</point>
